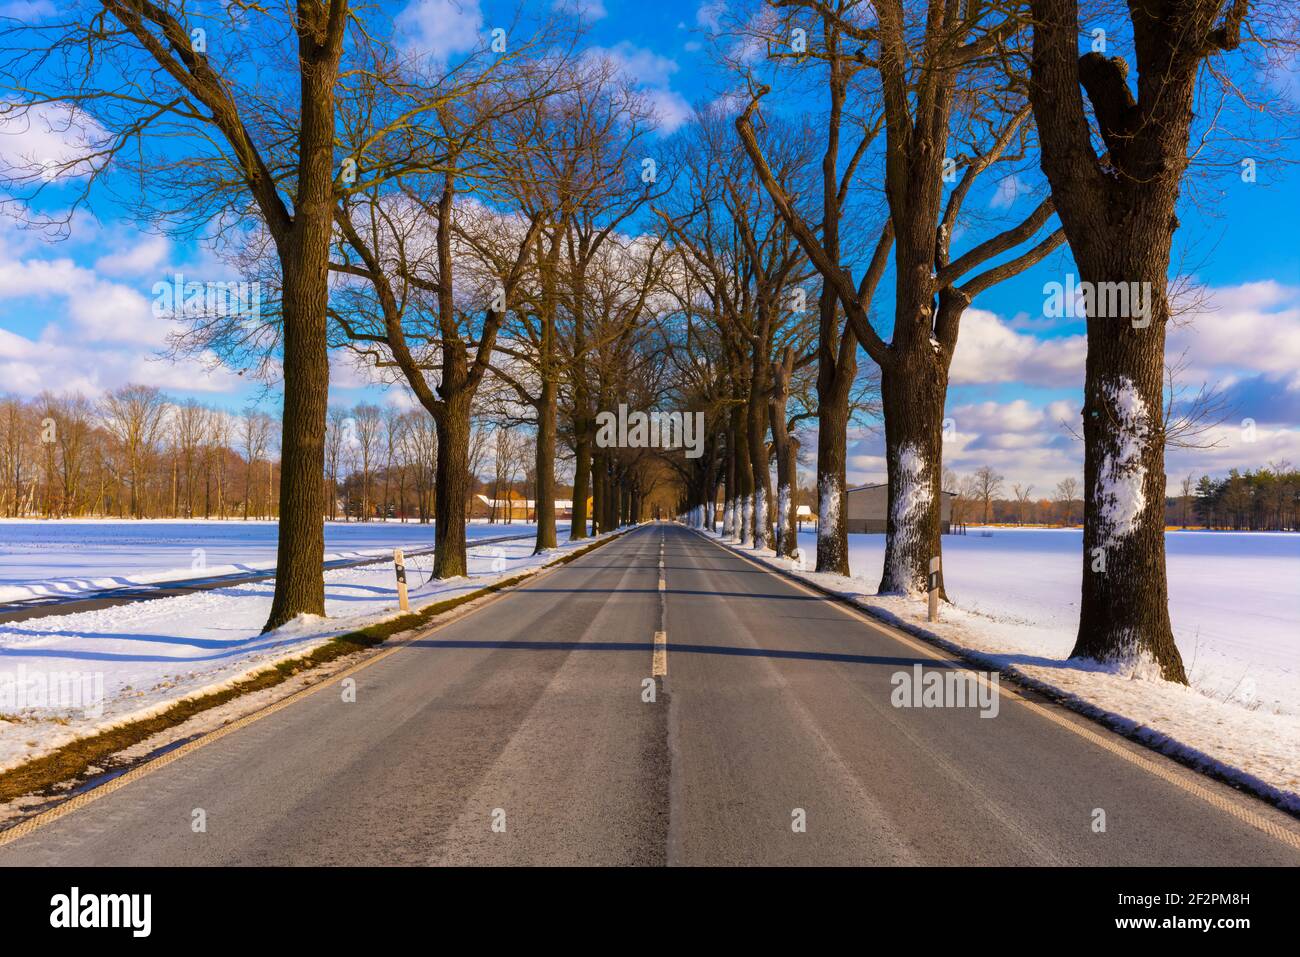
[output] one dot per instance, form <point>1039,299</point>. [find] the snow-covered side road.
<point>67,676</point>
<point>1236,620</point>
<point>72,557</point>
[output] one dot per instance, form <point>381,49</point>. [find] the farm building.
<point>513,507</point>
<point>868,505</point>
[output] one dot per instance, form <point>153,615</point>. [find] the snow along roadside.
<point>1257,751</point>
<point>146,657</point>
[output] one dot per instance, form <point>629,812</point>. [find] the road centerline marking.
<point>659,659</point>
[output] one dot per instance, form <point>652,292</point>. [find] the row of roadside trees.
<point>508,230</point>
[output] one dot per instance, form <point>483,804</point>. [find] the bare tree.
<point>255,433</point>
<point>219,135</point>
<point>1067,493</point>
<point>135,415</point>
<point>988,485</point>
<point>336,427</point>
<point>367,422</point>
<point>1022,501</point>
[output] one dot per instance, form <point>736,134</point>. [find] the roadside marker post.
<point>934,589</point>
<point>400,563</point>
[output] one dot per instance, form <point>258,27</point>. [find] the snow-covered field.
<point>66,557</point>
<point>65,676</point>
<point>1234,599</point>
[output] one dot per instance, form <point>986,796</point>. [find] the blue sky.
<point>74,315</point>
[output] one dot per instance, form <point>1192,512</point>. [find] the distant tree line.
<point>135,453</point>
<point>138,453</point>
<point>1266,499</point>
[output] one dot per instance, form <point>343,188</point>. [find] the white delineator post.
<point>934,589</point>
<point>400,563</point>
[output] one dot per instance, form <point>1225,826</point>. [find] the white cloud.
<point>28,11</point>
<point>989,351</point>
<point>439,29</point>
<point>589,10</point>
<point>709,14</point>
<point>1008,191</point>
<point>653,74</point>
<point>1251,327</point>
<point>146,258</point>
<point>101,311</point>
<point>46,140</point>
<point>64,364</point>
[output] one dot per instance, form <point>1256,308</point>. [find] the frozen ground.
<point>65,676</point>
<point>66,557</point>
<point>1234,600</point>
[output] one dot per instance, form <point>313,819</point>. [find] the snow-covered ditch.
<point>68,676</point>
<point>1234,599</point>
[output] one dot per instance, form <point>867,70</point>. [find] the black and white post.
<point>934,588</point>
<point>400,563</point>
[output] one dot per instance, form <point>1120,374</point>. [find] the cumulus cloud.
<point>145,258</point>
<point>990,351</point>
<point>65,364</point>
<point>439,29</point>
<point>46,141</point>
<point>1251,328</point>
<point>652,74</point>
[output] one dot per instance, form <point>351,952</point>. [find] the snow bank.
<point>70,557</point>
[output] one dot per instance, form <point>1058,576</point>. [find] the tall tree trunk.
<point>451,486</point>
<point>581,478</point>
<point>597,492</point>
<point>912,390</point>
<point>756,428</point>
<point>299,576</point>
<point>304,266</point>
<point>1119,217</point>
<point>744,478</point>
<point>729,490</point>
<point>783,445</point>
<point>835,376</point>
<point>545,466</point>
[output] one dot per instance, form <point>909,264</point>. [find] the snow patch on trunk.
<point>828,507</point>
<point>1121,478</point>
<point>729,518</point>
<point>760,518</point>
<point>747,521</point>
<point>911,501</point>
<point>782,515</point>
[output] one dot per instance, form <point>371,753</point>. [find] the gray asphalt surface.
<point>530,713</point>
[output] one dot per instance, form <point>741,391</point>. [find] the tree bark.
<point>545,465</point>
<point>452,484</point>
<point>912,394</point>
<point>1119,217</point>
<point>834,380</point>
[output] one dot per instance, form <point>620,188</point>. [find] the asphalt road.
<point>520,735</point>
